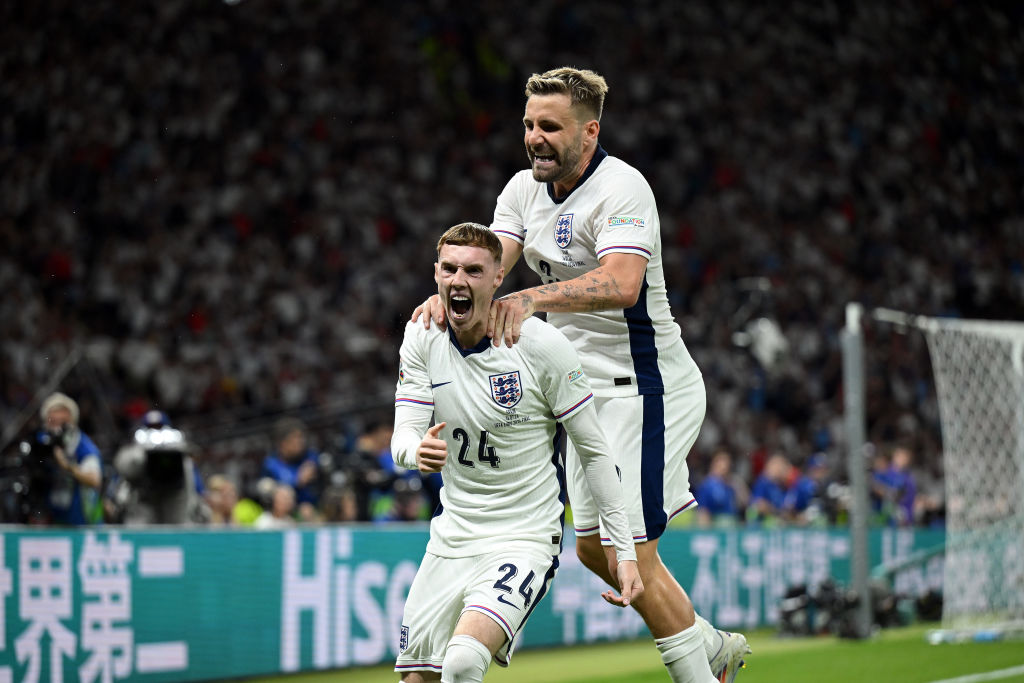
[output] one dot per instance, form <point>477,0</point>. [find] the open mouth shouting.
<point>460,306</point>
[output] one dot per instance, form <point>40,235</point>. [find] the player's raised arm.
<point>616,284</point>
<point>510,253</point>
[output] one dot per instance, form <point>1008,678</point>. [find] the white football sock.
<point>684,656</point>
<point>713,640</point>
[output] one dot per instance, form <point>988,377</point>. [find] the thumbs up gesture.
<point>433,450</point>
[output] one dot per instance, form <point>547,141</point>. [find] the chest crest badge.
<point>563,230</point>
<point>506,389</point>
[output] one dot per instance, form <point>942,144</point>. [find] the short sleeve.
<point>628,219</point>
<point>508,217</point>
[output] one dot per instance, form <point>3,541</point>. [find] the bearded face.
<point>554,140</point>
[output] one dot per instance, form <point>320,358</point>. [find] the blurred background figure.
<point>363,480</point>
<point>221,498</point>
<point>281,513</point>
<point>900,487</point>
<point>294,463</point>
<point>156,481</point>
<point>768,495</point>
<point>62,469</point>
<point>880,492</point>
<point>717,501</point>
<point>340,504</point>
<point>805,502</point>
<point>392,493</point>
<point>404,502</point>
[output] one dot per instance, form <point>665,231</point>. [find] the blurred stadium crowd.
<point>227,211</point>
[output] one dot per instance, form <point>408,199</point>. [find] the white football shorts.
<point>505,585</point>
<point>650,437</point>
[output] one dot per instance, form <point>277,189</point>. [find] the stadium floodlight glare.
<point>165,438</point>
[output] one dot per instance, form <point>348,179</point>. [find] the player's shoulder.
<point>541,337</point>
<point>614,167</point>
<point>415,333</point>
<point>536,328</point>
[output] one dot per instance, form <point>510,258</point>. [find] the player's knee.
<point>465,660</point>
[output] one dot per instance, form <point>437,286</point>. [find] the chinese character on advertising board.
<point>106,608</point>
<point>103,647</point>
<point>44,598</point>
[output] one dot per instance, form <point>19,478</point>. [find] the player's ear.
<point>499,277</point>
<point>437,272</point>
<point>591,129</point>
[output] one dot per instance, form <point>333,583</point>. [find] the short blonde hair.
<point>471,235</point>
<point>586,89</point>
<point>59,400</point>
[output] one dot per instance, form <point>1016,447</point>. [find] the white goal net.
<point>979,377</point>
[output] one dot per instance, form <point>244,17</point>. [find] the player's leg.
<point>477,637</point>
<point>725,651</point>
<point>468,653</point>
<point>664,607</point>
<point>502,592</point>
<point>431,613</point>
<point>420,677</point>
<point>655,481</point>
<point>682,416</point>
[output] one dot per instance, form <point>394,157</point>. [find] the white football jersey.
<point>503,479</point>
<point>612,209</point>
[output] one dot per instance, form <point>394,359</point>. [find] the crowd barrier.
<point>157,605</point>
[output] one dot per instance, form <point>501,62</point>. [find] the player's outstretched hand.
<point>630,585</point>
<point>505,319</point>
<point>433,451</point>
<point>432,310</point>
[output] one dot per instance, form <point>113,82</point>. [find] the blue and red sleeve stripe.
<point>559,416</point>
<point>626,247</point>
<point>413,401</point>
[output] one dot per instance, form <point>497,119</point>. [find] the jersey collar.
<point>481,345</point>
<point>599,156</point>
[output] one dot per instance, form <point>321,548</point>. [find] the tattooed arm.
<point>615,284</point>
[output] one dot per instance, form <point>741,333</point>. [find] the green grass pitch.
<point>893,656</point>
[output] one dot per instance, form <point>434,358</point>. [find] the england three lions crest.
<point>563,230</point>
<point>506,389</point>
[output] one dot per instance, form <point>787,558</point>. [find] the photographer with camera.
<point>294,463</point>
<point>66,467</point>
<point>157,481</point>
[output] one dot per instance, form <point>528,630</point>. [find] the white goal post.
<point>978,368</point>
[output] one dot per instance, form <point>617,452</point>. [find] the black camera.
<point>164,469</point>
<point>38,451</point>
<point>155,459</point>
<point>27,471</point>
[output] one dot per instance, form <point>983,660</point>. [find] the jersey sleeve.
<point>584,429</point>
<point>508,216</point>
<point>572,403</point>
<point>627,221</point>
<point>414,400</point>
